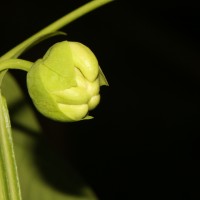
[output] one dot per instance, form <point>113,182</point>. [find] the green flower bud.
<point>64,84</point>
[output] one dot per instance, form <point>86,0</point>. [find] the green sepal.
<point>102,78</point>
<point>44,101</point>
<point>88,117</point>
<point>58,67</point>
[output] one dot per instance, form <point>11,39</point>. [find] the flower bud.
<point>64,84</point>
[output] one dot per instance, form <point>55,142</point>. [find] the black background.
<point>144,140</point>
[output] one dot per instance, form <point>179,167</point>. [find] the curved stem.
<point>57,25</point>
<point>15,64</point>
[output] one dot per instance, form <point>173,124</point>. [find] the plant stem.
<point>57,25</point>
<point>15,64</point>
<point>10,189</point>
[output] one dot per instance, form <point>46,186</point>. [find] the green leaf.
<point>43,174</point>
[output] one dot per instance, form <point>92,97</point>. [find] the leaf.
<point>43,174</point>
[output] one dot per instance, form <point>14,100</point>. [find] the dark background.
<point>144,141</point>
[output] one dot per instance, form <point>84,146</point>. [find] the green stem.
<point>15,64</point>
<point>10,189</point>
<point>57,25</point>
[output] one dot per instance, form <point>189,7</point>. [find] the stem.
<point>10,189</point>
<point>57,25</point>
<point>15,64</point>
